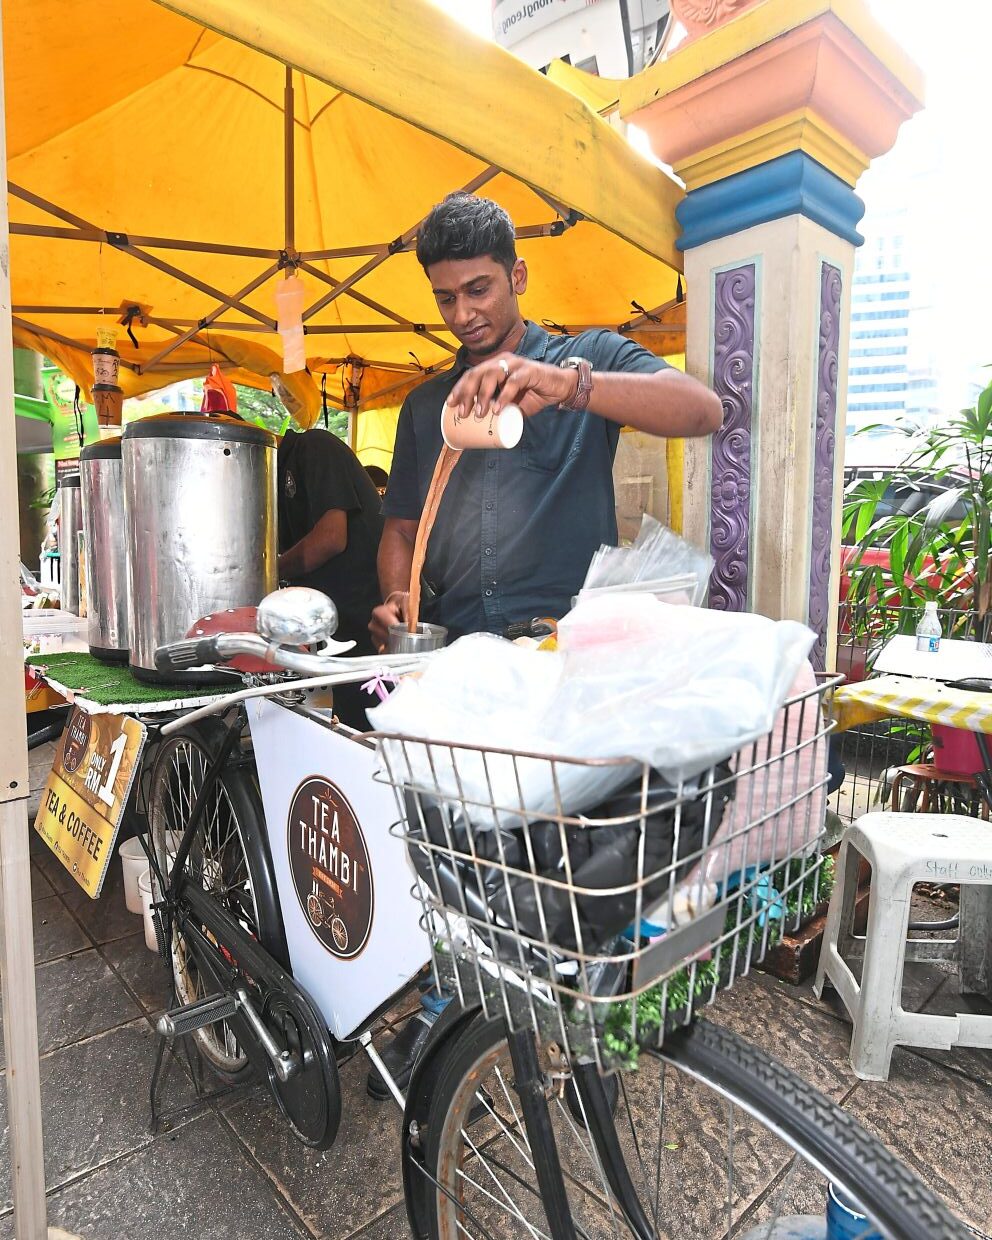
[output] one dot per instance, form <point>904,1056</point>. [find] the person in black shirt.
<point>330,523</point>
<point>380,479</point>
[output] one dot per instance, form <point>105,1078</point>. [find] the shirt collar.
<point>533,344</point>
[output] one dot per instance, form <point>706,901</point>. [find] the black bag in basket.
<point>599,858</point>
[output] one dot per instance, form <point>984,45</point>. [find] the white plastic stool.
<point>902,849</point>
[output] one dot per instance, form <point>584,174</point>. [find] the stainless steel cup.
<point>427,637</point>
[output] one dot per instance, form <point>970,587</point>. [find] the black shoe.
<point>400,1055</point>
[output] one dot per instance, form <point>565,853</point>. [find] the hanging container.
<point>102,477</point>
<point>70,523</point>
<point>200,516</point>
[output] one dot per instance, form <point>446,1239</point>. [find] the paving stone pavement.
<point>232,1169</point>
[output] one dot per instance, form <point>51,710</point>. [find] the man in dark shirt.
<point>330,523</point>
<point>516,529</point>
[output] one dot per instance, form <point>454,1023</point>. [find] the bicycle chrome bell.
<point>296,616</point>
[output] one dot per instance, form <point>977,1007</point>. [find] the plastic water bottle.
<point>843,1221</point>
<point>928,630</point>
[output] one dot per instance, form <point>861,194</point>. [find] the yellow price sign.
<point>88,787</point>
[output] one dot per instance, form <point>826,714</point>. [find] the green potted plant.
<point>940,551</point>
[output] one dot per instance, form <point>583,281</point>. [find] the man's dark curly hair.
<point>466,226</point>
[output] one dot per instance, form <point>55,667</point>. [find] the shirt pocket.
<point>549,440</point>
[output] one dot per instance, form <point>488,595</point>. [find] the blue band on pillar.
<point>792,184</point>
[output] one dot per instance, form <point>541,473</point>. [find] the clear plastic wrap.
<point>658,562</point>
<point>678,688</point>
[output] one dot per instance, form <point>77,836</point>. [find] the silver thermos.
<point>101,473</point>
<point>200,519</point>
<point>70,523</point>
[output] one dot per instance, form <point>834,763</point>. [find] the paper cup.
<point>500,430</point>
<point>134,863</point>
<point>106,337</point>
<point>106,366</point>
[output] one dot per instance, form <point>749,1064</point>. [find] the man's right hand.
<point>388,613</point>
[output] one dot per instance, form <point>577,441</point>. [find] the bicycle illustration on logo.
<point>321,913</point>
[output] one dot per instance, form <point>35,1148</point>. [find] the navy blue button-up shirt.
<point>516,529</point>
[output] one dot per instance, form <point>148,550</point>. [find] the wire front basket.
<point>604,928</point>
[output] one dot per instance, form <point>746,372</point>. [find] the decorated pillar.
<point>770,110</point>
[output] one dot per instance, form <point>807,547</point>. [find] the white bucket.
<point>134,863</point>
<point>145,887</point>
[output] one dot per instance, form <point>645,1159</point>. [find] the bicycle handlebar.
<point>194,651</point>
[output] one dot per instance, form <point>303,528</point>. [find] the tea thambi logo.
<point>330,866</point>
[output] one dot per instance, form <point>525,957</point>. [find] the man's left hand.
<point>509,379</point>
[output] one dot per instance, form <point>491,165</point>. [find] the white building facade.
<point>611,38</point>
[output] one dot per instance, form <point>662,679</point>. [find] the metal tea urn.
<point>102,478</point>
<point>200,517</point>
<point>70,523</point>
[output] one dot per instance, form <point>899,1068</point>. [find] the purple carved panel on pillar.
<point>733,381</point>
<point>821,532</point>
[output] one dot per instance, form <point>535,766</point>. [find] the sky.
<point>949,41</point>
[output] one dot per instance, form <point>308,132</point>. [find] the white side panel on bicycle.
<point>352,926</point>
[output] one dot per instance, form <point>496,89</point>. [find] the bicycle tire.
<point>238,790</point>
<point>826,1138</point>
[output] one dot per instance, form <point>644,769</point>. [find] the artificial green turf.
<point>112,683</point>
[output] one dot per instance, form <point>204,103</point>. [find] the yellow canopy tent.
<point>167,167</point>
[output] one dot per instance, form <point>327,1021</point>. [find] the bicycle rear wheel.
<point>712,1138</point>
<point>228,859</point>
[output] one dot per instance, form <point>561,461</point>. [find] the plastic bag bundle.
<point>678,688</point>
<point>657,562</point>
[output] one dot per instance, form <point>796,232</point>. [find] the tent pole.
<point>434,370</point>
<point>207,319</point>
<point>87,310</point>
<point>102,237</point>
<point>120,241</point>
<point>378,308</point>
<point>343,286</point>
<point>46,334</point>
<point>20,1011</point>
<point>370,329</point>
<point>289,169</point>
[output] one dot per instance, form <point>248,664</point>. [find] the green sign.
<point>70,429</point>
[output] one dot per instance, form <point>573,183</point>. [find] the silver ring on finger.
<point>504,366</point>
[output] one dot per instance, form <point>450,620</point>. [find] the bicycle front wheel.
<point>228,859</point>
<point>709,1138</point>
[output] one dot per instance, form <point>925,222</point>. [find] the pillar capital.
<point>819,77</point>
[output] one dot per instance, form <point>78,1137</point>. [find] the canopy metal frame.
<point>287,259</point>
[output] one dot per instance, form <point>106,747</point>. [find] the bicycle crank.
<point>275,1021</point>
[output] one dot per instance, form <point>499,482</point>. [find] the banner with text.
<point>88,787</point>
<point>514,20</point>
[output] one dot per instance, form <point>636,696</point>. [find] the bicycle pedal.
<point>198,1015</point>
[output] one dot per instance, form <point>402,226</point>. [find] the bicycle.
<point>525,1114</point>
